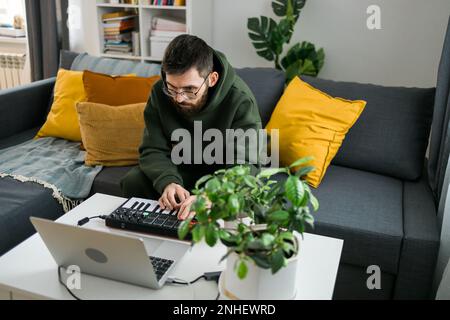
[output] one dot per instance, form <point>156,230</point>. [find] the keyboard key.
<point>159,222</point>
<point>134,205</point>
<point>140,206</point>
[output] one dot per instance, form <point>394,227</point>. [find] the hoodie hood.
<point>227,77</point>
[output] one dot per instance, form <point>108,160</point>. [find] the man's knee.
<point>136,184</point>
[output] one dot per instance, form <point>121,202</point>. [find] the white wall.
<point>405,51</point>
<point>83,29</point>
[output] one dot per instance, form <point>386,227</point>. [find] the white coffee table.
<point>29,271</point>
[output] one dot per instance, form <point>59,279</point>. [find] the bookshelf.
<point>197,14</point>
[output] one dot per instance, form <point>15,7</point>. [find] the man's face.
<point>190,82</point>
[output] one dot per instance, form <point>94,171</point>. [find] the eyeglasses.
<point>189,95</point>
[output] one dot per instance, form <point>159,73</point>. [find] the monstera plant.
<point>269,37</point>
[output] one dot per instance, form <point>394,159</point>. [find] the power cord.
<point>65,286</point>
<point>82,222</point>
<point>208,276</point>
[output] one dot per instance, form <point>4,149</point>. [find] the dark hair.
<point>187,51</point>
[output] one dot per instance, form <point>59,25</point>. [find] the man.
<point>198,85</point>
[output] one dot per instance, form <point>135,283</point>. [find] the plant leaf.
<point>242,270</point>
<point>267,173</point>
<point>301,161</point>
<point>304,171</point>
<point>261,261</point>
<point>183,229</point>
<point>197,233</point>
<point>279,215</point>
<point>278,261</point>
<point>294,190</point>
<point>202,180</point>
<point>212,235</point>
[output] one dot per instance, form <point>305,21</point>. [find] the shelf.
<point>117,5</point>
<point>152,59</point>
<point>21,40</point>
<point>196,14</point>
<point>164,7</point>
<point>119,56</point>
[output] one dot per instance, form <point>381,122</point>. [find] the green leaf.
<point>308,68</point>
<point>294,190</point>
<point>197,233</point>
<point>267,239</point>
<point>304,171</point>
<point>279,215</point>
<point>267,173</point>
<point>260,34</point>
<point>281,7</point>
<point>183,229</point>
<point>212,235</point>
<point>242,270</point>
<point>213,185</point>
<point>278,261</point>
<point>309,219</point>
<point>314,201</point>
<point>300,162</point>
<point>233,204</point>
<point>261,261</point>
<point>202,180</point>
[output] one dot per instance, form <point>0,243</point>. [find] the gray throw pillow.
<point>391,136</point>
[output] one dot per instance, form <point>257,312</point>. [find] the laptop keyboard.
<point>161,266</point>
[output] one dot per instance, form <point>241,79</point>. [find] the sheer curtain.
<point>47,35</point>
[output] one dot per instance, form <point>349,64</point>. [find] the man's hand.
<point>185,209</point>
<point>170,195</point>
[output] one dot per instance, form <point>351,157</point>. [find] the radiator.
<point>12,70</point>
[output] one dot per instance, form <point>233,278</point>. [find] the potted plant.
<point>269,37</point>
<point>260,221</point>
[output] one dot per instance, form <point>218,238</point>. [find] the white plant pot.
<point>260,284</point>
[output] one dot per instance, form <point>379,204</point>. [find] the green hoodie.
<point>230,105</point>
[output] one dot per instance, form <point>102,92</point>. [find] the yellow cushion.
<point>117,91</point>
<point>311,123</point>
<point>111,134</point>
<point>62,121</point>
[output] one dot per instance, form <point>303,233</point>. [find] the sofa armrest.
<point>24,107</point>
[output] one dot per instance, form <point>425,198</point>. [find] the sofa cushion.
<point>267,84</point>
<point>391,135</point>
<point>370,224</point>
<point>18,138</point>
<point>108,181</point>
<point>109,66</point>
<point>18,202</point>
<point>311,123</point>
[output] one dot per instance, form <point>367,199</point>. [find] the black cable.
<point>65,286</point>
<point>82,222</point>
<point>186,283</point>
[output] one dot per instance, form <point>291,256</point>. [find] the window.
<point>9,9</point>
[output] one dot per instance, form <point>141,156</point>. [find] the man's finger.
<point>161,202</point>
<point>181,195</point>
<point>191,214</point>
<point>172,202</point>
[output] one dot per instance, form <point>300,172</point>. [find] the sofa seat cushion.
<point>19,201</point>
<point>108,181</point>
<point>365,210</point>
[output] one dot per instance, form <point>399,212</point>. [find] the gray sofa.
<point>380,194</point>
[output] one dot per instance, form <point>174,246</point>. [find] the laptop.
<point>110,255</point>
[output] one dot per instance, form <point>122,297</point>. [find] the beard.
<point>189,109</point>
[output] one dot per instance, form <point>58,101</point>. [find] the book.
<point>116,15</point>
<point>168,34</point>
